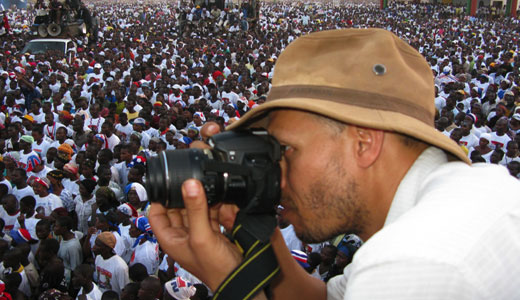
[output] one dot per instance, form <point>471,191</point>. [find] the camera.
<point>241,168</point>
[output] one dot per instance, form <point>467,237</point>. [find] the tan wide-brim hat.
<point>365,77</point>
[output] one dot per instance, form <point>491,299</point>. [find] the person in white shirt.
<point>27,218</point>
<point>95,121</point>
<point>45,201</point>
<point>21,188</point>
<point>430,221</point>
<point>41,142</point>
<point>82,280</point>
<point>124,129</point>
<point>111,269</point>
<point>499,137</point>
<point>9,213</point>
<point>145,247</point>
<point>108,130</point>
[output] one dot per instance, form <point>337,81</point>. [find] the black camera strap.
<point>251,235</point>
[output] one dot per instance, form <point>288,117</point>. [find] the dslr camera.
<point>242,168</point>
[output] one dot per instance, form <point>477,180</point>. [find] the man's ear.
<point>368,145</point>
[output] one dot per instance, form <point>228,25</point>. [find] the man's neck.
<point>88,287</point>
<point>107,255</point>
<point>68,236</point>
<point>22,185</point>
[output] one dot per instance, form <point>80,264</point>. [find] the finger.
<point>209,129</point>
<point>213,216</point>
<point>160,220</point>
<point>197,209</point>
<point>174,215</point>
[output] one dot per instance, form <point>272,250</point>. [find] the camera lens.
<point>167,171</point>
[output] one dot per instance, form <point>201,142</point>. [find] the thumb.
<point>197,209</point>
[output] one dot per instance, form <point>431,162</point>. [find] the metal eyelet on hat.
<point>379,69</point>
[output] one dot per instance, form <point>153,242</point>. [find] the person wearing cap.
<point>111,269</point>
<point>26,152</point>
<point>139,126</point>
<point>145,247</point>
<point>97,75</point>
<point>41,142</point>
<point>429,220</point>
<point>46,202</point>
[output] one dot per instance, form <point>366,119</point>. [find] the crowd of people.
<point>76,133</point>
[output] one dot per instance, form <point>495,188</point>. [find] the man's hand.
<point>191,236</point>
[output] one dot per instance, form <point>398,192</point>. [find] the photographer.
<point>362,156</point>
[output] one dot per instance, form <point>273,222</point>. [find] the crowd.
<point>76,133</point>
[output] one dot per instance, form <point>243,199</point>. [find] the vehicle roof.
<point>51,40</point>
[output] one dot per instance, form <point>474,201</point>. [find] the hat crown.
<point>340,64</point>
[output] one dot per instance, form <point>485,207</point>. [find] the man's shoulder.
<point>462,223</point>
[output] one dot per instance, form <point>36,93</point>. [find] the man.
<point>499,137</point>
<point>95,121</point>
<point>380,170</point>
<point>9,212</point>
<point>108,130</point>
<point>70,248</point>
<point>26,153</point>
<point>111,269</point>
<point>21,188</point>
<point>82,279</point>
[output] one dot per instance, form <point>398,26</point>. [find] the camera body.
<point>241,168</point>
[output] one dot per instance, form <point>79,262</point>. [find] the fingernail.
<point>192,188</point>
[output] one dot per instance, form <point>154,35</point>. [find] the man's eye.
<point>285,149</point>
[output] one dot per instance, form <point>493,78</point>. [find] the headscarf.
<point>32,162</point>
<point>15,156</point>
<point>66,149</point>
<point>180,288</point>
<point>138,160</point>
<point>139,189</point>
<point>43,181</point>
<point>103,138</point>
<point>27,138</point>
<point>128,210</point>
<point>144,226</point>
<point>56,174</point>
<point>71,168</point>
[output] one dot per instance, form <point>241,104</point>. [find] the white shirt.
<point>95,294</point>
<point>147,254</point>
<point>84,211</point>
<point>26,191</point>
<point>448,235</point>
<point>291,240</point>
<point>111,274</point>
<point>126,130</point>
<point>497,140</point>
<point>49,203</point>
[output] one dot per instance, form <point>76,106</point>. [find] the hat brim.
<point>370,118</point>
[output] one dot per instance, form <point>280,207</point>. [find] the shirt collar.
<point>406,195</point>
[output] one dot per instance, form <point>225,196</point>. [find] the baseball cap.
<point>376,81</point>
<point>97,66</point>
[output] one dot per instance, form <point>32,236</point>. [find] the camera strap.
<point>259,265</point>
